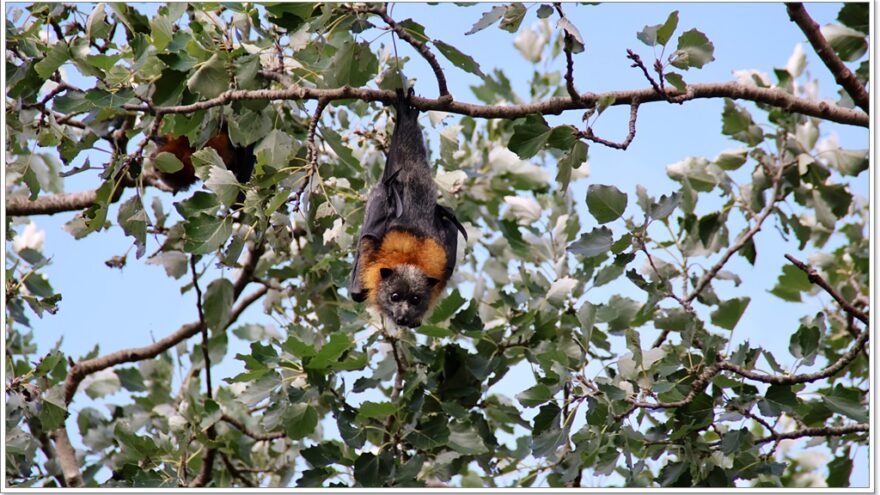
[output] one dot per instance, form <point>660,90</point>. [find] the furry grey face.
<point>404,294</point>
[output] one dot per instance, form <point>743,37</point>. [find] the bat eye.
<point>395,297</point>
<point>414,299</point>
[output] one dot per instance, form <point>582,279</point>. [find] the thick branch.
<point>63,202</point>
<point>844,77</point>
<point>66,457</point>
<point>770,96</point>
<point>817,279</point>
<point>420,47</point>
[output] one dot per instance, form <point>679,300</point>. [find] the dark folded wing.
<point>383,204</point>
<point>449,231</point>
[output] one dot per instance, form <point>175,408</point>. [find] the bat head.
<point>404,294</point>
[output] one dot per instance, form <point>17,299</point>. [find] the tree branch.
<point>822,431</point>
<point>771,96</point>
<point>204,476</point>
<point>844,77</point>
<point>633,115</point>
<point>64,202</point>
<point>420,47</point>
<point>311,155</point>
<point>256,435</point>
<point>817,279</point>
<point>569,59</point>
<point>826,372</point>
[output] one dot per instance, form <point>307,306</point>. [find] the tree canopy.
<point>619,303</point>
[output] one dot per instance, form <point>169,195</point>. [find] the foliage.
<point>422,407</point>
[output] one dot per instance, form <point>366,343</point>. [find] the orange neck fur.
<point>403,248</point>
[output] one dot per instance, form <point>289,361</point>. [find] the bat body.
<point>408,243</point>
<point>239,160</point>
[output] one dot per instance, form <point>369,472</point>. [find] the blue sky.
<point>140,304</point>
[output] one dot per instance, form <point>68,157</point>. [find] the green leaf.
<point>56,57</point>
<point>430,434</point>
<point>847,407</point>
<point>731,159</point>
<point>460,60</point>
<point>167,162</point>
<point>778,399</point>
<point>535,396</point>
<point>323,454</point>
<point>694,50</point>
<point>211,79</point>
<point>840,469</point>
<point>729,312</point>
<point>594,243</point>
<point>330,352</point>
<point>223,183</point>
<point>218,303</point>
<point>161,31</point>
<point>206,233</point>
<point>664,32</point>
<point>676,81</point>
<point>804,344</point>
<point>736,441</point>
<point>464,439</point>
<point>572,159</point>
<point>606,203</point>
<point>447,307</point>
<point>300,421</point>
<point>353,65</point>
<point>372,471</point>
<point>576,41</point>
<point>376,410</point>
<point>849,44</point>
<point>131,379</point>
<point>133,220</point>
<point>513,17</point>
<point>488,19</point>
<point>529,136</point>
<point>102,384</point>
<point>848,162</point>
<point>659,34</point>
<point>544,11</point>
<point>791,283</point>
<point>855,15</point>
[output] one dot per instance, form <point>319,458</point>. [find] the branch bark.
<point>817,279</point>
<point>771,96</point>
<point>844,77</point>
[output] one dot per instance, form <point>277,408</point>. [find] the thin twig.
<point>844,77</point>
<point>823,431</point>
<point>569,59</point>
<point>420,47</point>
<point>256,435</point>
<point>311,156</point>
<point>817,279</point>
<point>633,115</point>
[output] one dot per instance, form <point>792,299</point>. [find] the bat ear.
<point>432,282</point>
<point>385,272</point>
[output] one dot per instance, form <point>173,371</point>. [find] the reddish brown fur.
<point>402,248</point>
<point>179,146</point>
